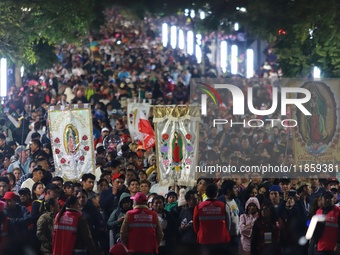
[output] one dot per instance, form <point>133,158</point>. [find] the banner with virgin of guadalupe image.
<point>176,129</point>
<point>72,141</point>
<point>316,137</point>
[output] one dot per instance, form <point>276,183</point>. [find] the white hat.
<point>105,129</point>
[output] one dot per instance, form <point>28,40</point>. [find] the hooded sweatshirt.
<point>246,225</point>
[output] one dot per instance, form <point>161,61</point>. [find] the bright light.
<point>316,72</point>
<point>119,42</point>
<point>250,63</point>
<point>190,42</point>
<point>234,61</point>
<point>181,41</point>
<point>199,39</point>
<point>173,36</point>
<point>3,77</point>
<point>202,15</point>
<point>165,34</point>
<point>224,55</point>
<point>22,70</point>
<point>192,13</point>
<point>236,26</point>
<point>186,12</point>
<point>241,9</point>
<point>198,54</point>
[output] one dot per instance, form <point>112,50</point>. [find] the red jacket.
<point>209,222</point>
<point>65,233</point>
<point>330,234</point>
<point>142,230</point>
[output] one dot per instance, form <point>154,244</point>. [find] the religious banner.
<point>176,129</point>
<point>72,141</point>
<point>316,137</point>
<point>132,111</point>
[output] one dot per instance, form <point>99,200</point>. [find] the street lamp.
<point>3,77</point>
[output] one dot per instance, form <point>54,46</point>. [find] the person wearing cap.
<point>23,161</point>
<point>18,215</point>
<point>109,198</point>
<point>25,198</point>
<point>275,195</point>
<point>332,182</point>
<point>38,174</point>
<point>304,191</point>
<point>329,234</point>
<point>210,222</point>
<point>141,222</point>
<point>171,200</point>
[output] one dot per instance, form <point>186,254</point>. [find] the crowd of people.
<point>115,208</point>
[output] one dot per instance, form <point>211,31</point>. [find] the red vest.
<point>211,215</point>
<point>65,233</point>
<point>142,230</point>
<point>331,232</point>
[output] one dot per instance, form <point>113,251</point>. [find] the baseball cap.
<point>140,198</point>
<point>105,129</point>
<point>332,179</point>
<point>24,191</point>
<point>275,188</point>
<point>20,149</point>
<point>326,194</point>
<point>171,193</point>
<point>116,176</point>
<point>9,195</point>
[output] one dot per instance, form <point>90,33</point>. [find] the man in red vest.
<point>329,240</point>
<point>210,223</point>
<point>141,231</point>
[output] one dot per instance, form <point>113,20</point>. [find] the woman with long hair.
<point>71,231</point>
<point>37,190</point>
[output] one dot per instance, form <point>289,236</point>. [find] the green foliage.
<point>311,33</point>
<point>23,23</point>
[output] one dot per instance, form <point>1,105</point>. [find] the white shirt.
<point>28,184</point>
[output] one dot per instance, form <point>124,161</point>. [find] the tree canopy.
<point>26,24</point>
<point>303,33</point>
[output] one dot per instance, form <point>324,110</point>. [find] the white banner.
<point>72,141</point>
<point>132,116</point>
<point>177,140</point>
